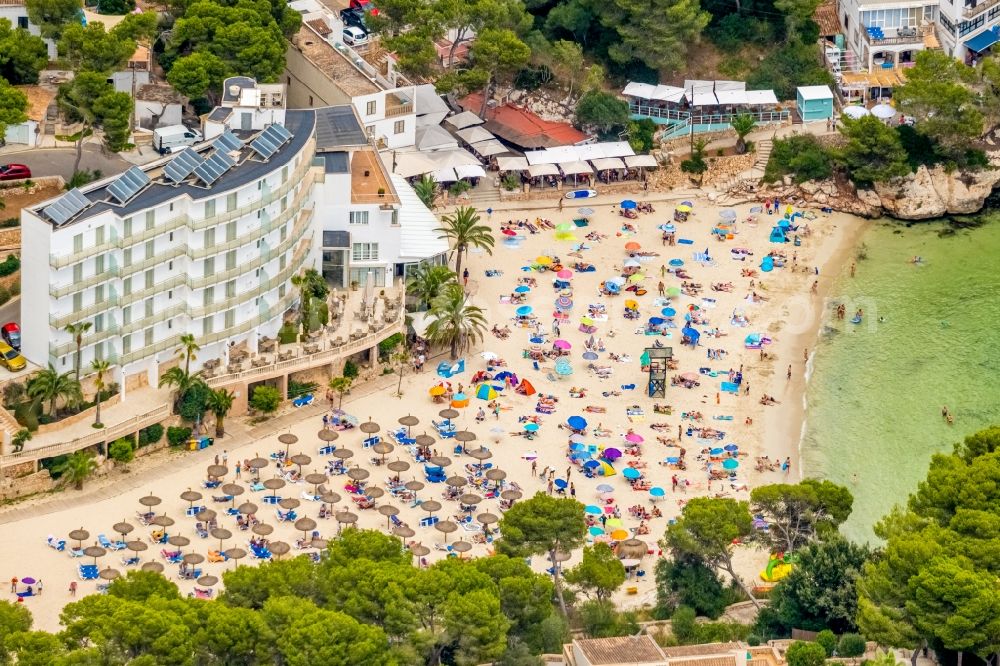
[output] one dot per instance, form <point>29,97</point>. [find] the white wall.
<point>170,114</point>
<point>23,134</point>
<point>379,126</point>
<point>35,237</point>
<point>15,12</point>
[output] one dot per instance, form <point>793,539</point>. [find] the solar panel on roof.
<point>65,207</point>
<point>227,142</point>
<point>128,184</point>
<point>270,140</point>
<point>212,169</point>
<point>181,166</point>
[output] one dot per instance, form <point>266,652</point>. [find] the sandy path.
<point>789,317</point>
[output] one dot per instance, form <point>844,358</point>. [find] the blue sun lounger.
<point>88,572</point>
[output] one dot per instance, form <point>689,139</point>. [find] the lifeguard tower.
<point>658,358</point>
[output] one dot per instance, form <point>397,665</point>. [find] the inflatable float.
<point>779,565</point>
<point>581,194</point>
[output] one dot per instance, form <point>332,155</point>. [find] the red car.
<point>11,334</point>
<point>365,6</point>
<point>14,172</point>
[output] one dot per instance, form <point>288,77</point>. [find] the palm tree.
<point>77,468</point>
<point>454,321</point>
<point>181,382</point>
<point>311,285</point>
<point>341,385</point>
<point>462,229</point>
<point>427,281</point>
<point>20,438</point>
<point>77,330</point>
<point>220,402</point>
<point>99,366</point>
<point>743,123</point>
<point>186,352</point>
<point>426,189</point>
<point>49,385</point>
<point>402,358</point>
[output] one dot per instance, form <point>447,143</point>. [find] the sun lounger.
<point>194,510</point>
<point>211,484</point>
<point>110,545</point>
<point>309,497</point>
<point>171,556</point>
<point>145,518</point>
<point>303,400</point>
<point>327,450</point>
<point>76,552</point>
<point>57,544</point>
<point>286,516</point>
<point>88,572</point>
<point>190,574</point>
<point>222,498</point>
<point>130,561</point>
<point>429,521</point>
<point>216,556</point>
<point>200,593</point>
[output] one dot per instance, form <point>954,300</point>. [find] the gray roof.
<point>220,114</point>
<point>338,127</point>
<point>298,122</point>
<point>241,81</point>
<point>337,162</point>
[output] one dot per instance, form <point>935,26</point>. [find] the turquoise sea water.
<point>877,389</point>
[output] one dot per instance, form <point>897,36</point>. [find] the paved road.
<point>59,161</point>
<point>11,311</point>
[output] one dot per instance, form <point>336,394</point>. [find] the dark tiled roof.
<point>298,122</point>
<point>220,114</point>
<point>337,162</point>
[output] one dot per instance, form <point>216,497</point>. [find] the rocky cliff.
<point>925,194</point>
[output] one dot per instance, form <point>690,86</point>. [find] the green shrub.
<point>287,334</point>
<point>4,295</point>
<point>10,222</point>
<point>851,645</point>
<point>794,64</point>
<point>9,265</point>
<point>511,181</point>
<point>600,619</point>
<point>753,640</point>
<point>121,450</point>
<point>194,402</point>
<point>828,640</point>
<point>737,30</point>
<point>801,156</point>
<point>459,187</point>
<point>13,393</point>
<point>27,414</point>
<point>150,434</point>
<point>178,435</point>
<point>322,311</point>
<point>265,399</point>
<point>683,624</point>
<point>350,369</point>
<point>387,346</point>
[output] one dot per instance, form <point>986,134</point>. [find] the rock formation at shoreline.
<point>924,194</point>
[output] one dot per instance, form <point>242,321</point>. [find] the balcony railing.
<point>110,330</point>
<point>157,317</point>
<point>161,256</point>
<point>393,110</point>
<point>61,290</point>
<point>916,37</point>
<point>161,286</point>
<point>63,260</point>
<point>269,313</point>
<point>978,8</point>
<point>60,321</point>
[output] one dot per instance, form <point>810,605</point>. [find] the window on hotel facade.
<point>281,291</point>
<point>399,127</point>
<point>127,227</point>
<point>78,243</point>
<point>127,344</point>
<point>77,301</point>
<point>77,272</point>
<point>99,293</point>
<point>230,260</point>
<point>148,306</point>
<point>127,256</point>
<point>284,203</point>
<point>283,233</point>
<point>210,237</point>
<point>150,219</point>
<point>210,208</point>
<point>230,318</point>
<point>98,323</point>
<point>364,252</point>
<point>98,235</point>
<point>359,217</point>
<point>371,108</point>
<point>150,249</point>
<point>148,336</point>
<point>207,326</point>
<point>127,286</point>
<point>231,231</point>
<point>209,266</point>
<point>284,173</point>
<point>231,201</point>
<point>98,264</point>
<point>231,289</point>
<point>126,315</point>
<point>150,277</point>
<point>208,296</point>
<point>363,275</point>
<point>282,262</point>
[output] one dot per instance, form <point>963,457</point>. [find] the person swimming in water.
<point>917,259</point>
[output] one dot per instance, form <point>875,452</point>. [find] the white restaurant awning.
<point>488,148</point>
<point>470,171</point>
<point>590,151</point>
<point>413,164</point>
<point>463,120</point>
<point>633,161</point>
<point>570,168</point>
<point>512,164</point>
<point>761,97</point>
<point>543,170</point>
<point>704,99</point>
<point>452,158</point>
<point>731,96</point>
<point>474,134</point>
<point>648,91</point>
<point>418,235</point>
<point>434,137</point>
<point>446,175</point>
<point>608,163</point>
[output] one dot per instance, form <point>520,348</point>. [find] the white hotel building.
<point>206,241</point>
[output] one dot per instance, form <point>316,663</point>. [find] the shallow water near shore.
<point>876,392</point>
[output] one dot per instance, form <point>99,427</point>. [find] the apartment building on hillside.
<point>206,242</point>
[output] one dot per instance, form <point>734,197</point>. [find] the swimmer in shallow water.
<point>881,320</point>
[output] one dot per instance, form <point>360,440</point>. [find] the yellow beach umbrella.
<point>684,209</point>
<point>587,321</point>
<point>613,522</point>
<point>606,469</point>
<point>631,304</point>
<point>619,535</point>
<point>637,277</point>
<point>437,390</point>
<point>543,261</point>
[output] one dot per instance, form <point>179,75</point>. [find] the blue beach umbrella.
<point>656,321</point>
<point>593,510</point>
<point>628,204</point>
<point>730,463</point>
<point>591,464</point>
<point>589,356</point>
<point>668,312</point>
<point>561,483</point>
<point>656,491</point>
<point>522,289</point>
<point>631,473</point>
<point>576,422</point>
<point>731,447</point>
<point>676,262</point>
<point>524,311</point>
<point>595,531</point>
<point>716,452</point>
<point>531,427</point>
<point>605,488</point>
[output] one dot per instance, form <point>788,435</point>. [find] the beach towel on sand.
<point>685,241</point>
<point>730,387</point>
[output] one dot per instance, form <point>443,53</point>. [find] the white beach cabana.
<point>474,134</point>
<point>543,170</point>
<point>489,148</point>
<point>515,163</point>
<point>463,120</point>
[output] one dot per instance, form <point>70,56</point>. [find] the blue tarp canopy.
<point>984,40</point>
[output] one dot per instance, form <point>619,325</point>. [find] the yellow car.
<point>11,358</point>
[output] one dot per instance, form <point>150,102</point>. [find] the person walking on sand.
<point>38,587</point>
<point>72,588</point>
<point>549,486</point>
<point>663,271</point>
<point>788,375</point>
<point>815,286</point>
<point>13,585</point>
<point>786,466</point>
<point>534,466</point>
<point>239,467</point>
<point>661,288</point>
<point>465,276</point>
<point>852,269</point>
<point>560,204</point>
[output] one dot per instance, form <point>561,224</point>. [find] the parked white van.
<point>174,138</point>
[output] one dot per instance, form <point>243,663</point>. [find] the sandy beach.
<point>610,385</point>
